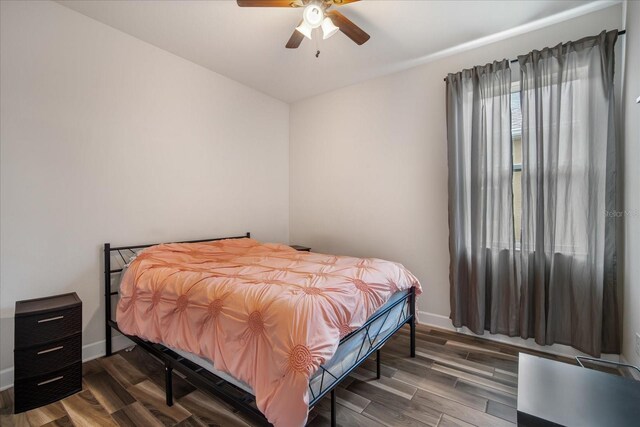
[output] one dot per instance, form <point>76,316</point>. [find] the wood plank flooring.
<point>455,380</point>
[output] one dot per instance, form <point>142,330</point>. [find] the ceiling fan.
<point>316,14</point>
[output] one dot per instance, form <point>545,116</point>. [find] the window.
<point>516,138</point>
<point>567,173</point>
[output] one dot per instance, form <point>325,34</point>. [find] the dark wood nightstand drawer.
<point>37,391</point>
<point>47,327</point>
<point>42,359</point>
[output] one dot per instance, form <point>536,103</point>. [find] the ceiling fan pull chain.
<point>316,39</point>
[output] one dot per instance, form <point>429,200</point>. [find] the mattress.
<point>349,352</point>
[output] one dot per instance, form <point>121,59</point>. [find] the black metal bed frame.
<point>230,393</point>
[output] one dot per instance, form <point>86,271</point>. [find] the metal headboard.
<point>123,252</point>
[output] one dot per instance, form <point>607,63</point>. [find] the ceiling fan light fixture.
<point>305,30</point>
<point>313,15</point>
<point>328,28</point>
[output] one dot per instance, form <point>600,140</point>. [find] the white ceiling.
<point>247,44</point>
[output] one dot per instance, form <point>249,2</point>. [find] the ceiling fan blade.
<point>295,40</point>
<point>343,2</point>
<point>270,3</point>
<point>350,29</point>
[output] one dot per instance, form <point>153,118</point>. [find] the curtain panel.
<point>484,292</point>
<point>568,249</point>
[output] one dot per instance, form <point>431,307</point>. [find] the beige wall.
<point>369,162</point>
<point>631,262</point>
<point>106,138</point>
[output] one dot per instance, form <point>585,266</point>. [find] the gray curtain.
<point>568,288</point>
<point>484,292</point>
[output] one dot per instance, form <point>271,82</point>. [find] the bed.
<point>268,329</point>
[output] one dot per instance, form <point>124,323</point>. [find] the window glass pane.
<point>517,151</point>
<point>516,135</point>
<point>517,203</point>
<point>516,114</point>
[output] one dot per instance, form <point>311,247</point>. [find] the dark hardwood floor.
<point>455,380</point>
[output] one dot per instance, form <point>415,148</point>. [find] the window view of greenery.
<point>516,136</point>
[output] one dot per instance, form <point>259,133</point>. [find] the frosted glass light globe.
<point>313,15</point>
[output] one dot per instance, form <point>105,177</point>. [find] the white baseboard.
<point>432,319</point>
<point>440,321</point>
<point>6,378</point>
<point>89,352</point>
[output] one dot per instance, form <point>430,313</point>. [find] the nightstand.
<point>301,248</point>
<point>48,350</point>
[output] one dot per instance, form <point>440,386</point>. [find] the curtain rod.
<point>620,33</point>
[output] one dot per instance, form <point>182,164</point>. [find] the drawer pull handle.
<point>51,380</point>
<point>60,347</point>
<point>50,319</point>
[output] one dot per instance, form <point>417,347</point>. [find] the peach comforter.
<point>264,313</point>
